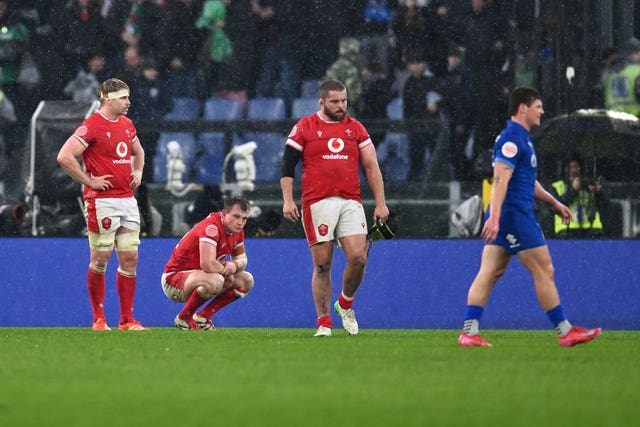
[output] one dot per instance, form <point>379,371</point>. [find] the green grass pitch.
<point>285,377</point>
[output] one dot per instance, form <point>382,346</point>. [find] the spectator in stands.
<point>484,41</point>
<point>376,95</point>
<point>283,78</point>
<point>611,58</point>
<point>585,198</point>
<point>152,96</point>
<point>268,67</point>
<point>347,70</point>
<point>236,80</point>
<point>376,31</point>
<point>442,31</point>
<point>7,121</point>
<point>145,27</point>
<point>13,45</point>
<point>131,68</point>
<point>456,90</point>
<point>417,107</point>
<point>217,48</point>
<point>622,81</point>
<point>14,39</point>
<point>78,31</point>
<point>83,87</point>
<point>179,62</point>
<point>409,30</point>
<point>153,101</point>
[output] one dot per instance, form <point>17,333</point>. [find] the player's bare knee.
<point>323,267</point>
<point>246,282</point>
<point>358,261</point>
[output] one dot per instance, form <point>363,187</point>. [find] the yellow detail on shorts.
<point>128,241</point>
<point>102,242</point>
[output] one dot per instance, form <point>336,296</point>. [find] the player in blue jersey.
<point>511,227</point>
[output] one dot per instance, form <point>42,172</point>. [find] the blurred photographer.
<point>585,198</point>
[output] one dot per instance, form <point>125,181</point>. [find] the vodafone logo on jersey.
<point>335,145</point>
<point>122,149</point>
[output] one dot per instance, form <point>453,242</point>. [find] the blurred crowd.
<point>452,60</point>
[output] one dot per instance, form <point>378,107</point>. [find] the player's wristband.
<point>138,174</point>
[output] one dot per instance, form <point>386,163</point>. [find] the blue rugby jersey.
<point>514,147</point>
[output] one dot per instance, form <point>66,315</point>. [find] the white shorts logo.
<point>509,150</point>
<point>335,145</point>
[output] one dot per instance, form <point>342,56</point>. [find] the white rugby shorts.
<point>109,214</point>
<point>332,218</point>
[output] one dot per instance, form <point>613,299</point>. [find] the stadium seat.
<point>267,156</point>
<point>302,107</point>
<point>187,143</point>
<point>309,88</point>
<point>266,109</point>
<point>212,147</point>
<point>394,109</point>
<point>184,108</point>
<point>222,109</point>
<point>393,156</point>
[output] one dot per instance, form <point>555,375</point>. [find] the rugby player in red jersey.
<point>113,159</point>
<point>332,146</point>
<point>208,263</point>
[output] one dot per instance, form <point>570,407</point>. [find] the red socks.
<point>325,321</point>
<point>96,286</point>
<point>126,285</point>
<point>345,302</point>
<point>219,301</point>
<point>195,300</point>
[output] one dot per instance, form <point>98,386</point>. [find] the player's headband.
<point>115,95</point>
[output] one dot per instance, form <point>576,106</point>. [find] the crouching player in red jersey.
<point>208,264</point>
<point>113,160</point>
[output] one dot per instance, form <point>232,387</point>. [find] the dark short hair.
<point>522,95</point>
<point>330,85</point>
<point>241,201</point>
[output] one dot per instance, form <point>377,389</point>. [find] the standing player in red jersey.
<point>113,160</point>
<point>332,145</point>
<point>209,262</point>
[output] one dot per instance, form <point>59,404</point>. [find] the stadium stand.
<point>394,109</point>
<point>266,109</point>
<point>184,108</point>
<point>188,145</point>
<point>302,107</point>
